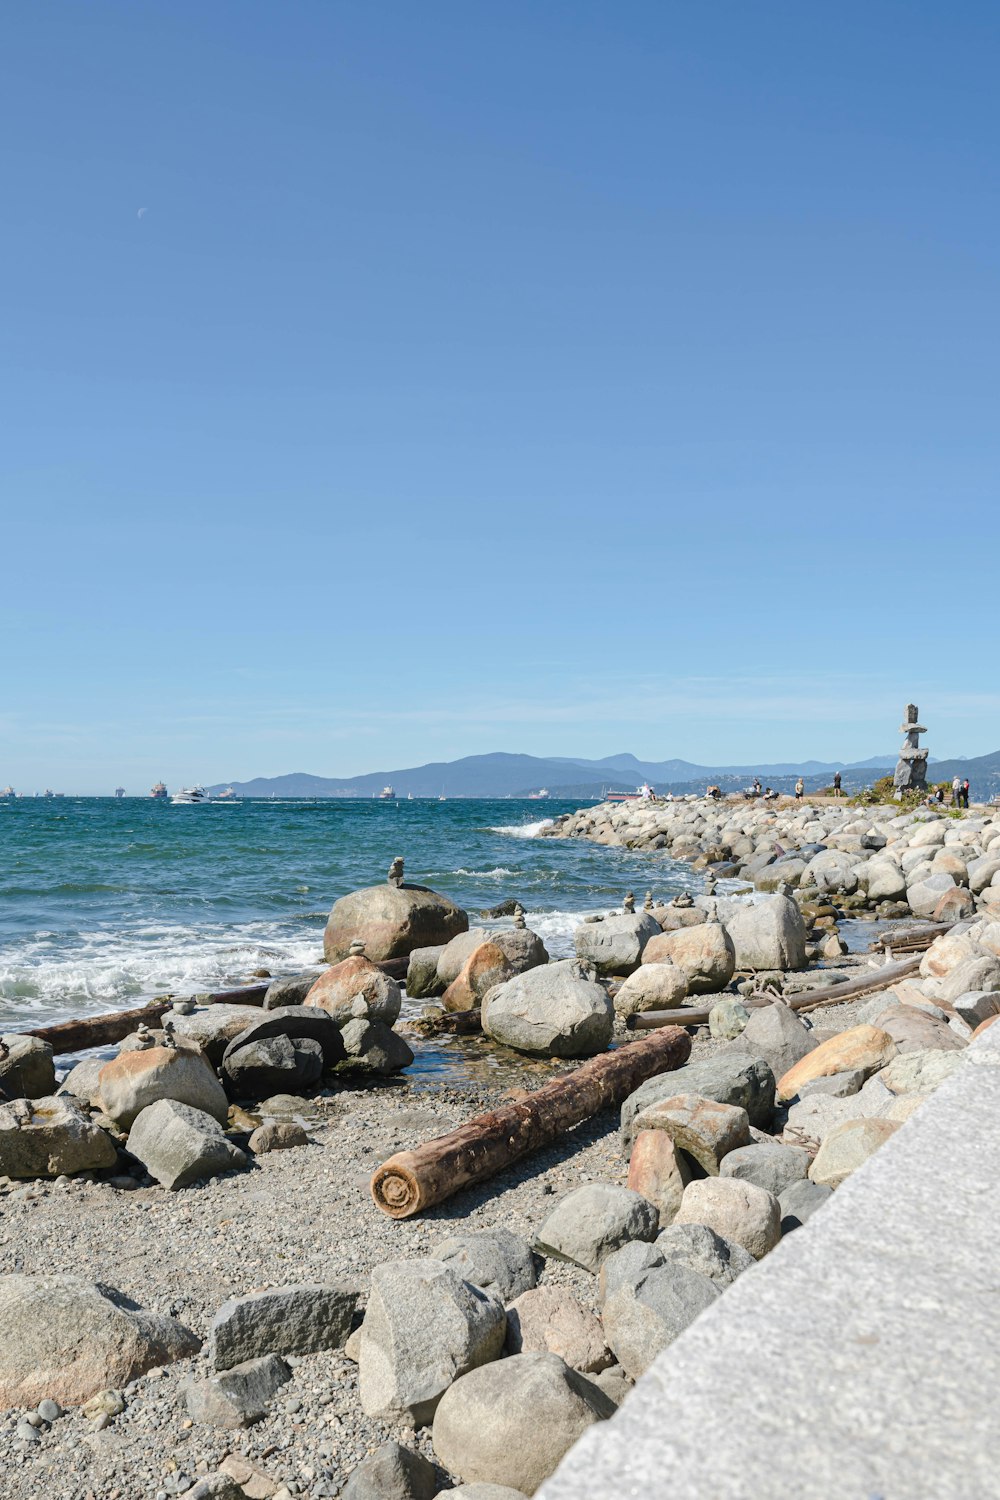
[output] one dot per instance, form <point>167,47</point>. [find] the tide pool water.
<point>106,903</point>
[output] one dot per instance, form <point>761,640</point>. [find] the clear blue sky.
<point>563,377</point>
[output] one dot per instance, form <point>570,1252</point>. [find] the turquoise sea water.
<point>104,904</point>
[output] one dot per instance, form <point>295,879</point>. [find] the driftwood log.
<point>867,983</point>
<point>412,1181</point>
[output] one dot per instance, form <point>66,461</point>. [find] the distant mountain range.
<point>504,775</point>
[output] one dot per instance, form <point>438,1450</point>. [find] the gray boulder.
<point>614,945</point>
<point>277,1135</point>
<point>177,1144</point>
<point>271,1064</point>
<point>83,1081</point>
<point>770,934</point>
<point>627,1267</point>
<point>924,895</point>
<point>51,1137</point>
<point>391,921</point>
<point>976,1006</point>
<point>285,1320</point>
<point>558,1010</point>
<point>65,1339</point>
<point>297,1022</point>
<point>210,1027</point>
<point>771,1166</point>
<point>642,1318</point>
<point>422,979</point>
<point>392,1472</point>
<point>522,948</point>
<point>510,1423</point>
<point>424,1327</point>
<point>729,1077</point>
<point>496,1259</point>
<point>593,1221</point>
<point>374,1048</point>
<point>980,974</point>
<point>799,1201</point>
<point>454,955</point>
<point>237,1397</point>
<point>285,992</point>
<point>700,1249</point>
<point>775,1033</point>
<point>27,1070</point>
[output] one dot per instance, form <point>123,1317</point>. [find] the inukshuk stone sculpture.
<point>911,767</point>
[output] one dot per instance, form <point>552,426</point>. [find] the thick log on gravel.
<point>100,1031</point>
<point>869,982</point>
<point>412,1181</point>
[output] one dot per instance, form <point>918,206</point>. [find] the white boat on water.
<point>189,796</point>
<point>387,794</point>
<point>540,796</point>
<point>8,794</point>
<point>227,796</point>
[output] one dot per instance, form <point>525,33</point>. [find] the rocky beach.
<point>198,1294</point>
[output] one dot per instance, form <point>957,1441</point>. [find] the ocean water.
<point>104,904</point>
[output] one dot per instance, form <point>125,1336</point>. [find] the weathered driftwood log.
<point>411,1181</point>
<point>100,1031</point>
<point>870,981</point>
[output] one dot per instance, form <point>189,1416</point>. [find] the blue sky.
<point>565,378</point>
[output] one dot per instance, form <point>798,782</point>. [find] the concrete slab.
<point>860,1360</point>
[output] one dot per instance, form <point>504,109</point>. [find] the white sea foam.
<point>523,830</point>
<point>49,976</point>
<point>497,874</point>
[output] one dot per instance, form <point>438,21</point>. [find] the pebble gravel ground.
<point>297,1216</point>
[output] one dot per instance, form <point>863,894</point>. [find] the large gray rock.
<point>211,1027</point>
<point>392,1472</point>
<point>729,1077</point>
<point>924,895</point>
<point>884,881</point>
<point>700,1249</point>
<point>83,1081</point>
<point>284,992</point>
<point>974,974</point>
<point>976,1006</point>
<point>273,1064</point>
<point>627,1267</point>
<point>496,1259</point>
<point>832,870</point>
<point>768,1164</point>
<point>641,1318</point>
<point>374,1048</point>
<point>559,1011</point>
<point>705,1130</point>
<point>355,979</point>
<point>523,948</point>
<point>237,1397</point>
<point>132,1081</point>
<point>510,1423</point>
<point>27,1070</point>
<point>615,944</point>
<point>424,1327</point>
<point>704,952</point>
<point>285,1320</point>
<point>422,973</point>
<point>593,1221</point>
<point>65,1338</point>
<point>297,1022</point>
<point>770,934</point>
<point>775,1033</point>
<point>391,921</point>
<point>51,1137</point>
<point>177,1144</point>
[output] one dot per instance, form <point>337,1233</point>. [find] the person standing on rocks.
<point>965,792</point>
<point>836,784</point>
<point>800,787</point>
<point>956,791</point>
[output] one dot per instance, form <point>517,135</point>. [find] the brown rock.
<point>277,1135</point>
<point>658,1172</point>
<point>704,952</point>
<point>864,1048</point>
<point>133,1080</point>
<point>549,1320</point>
<point>954,905</point>
<point>984,1026</point>
<point>352,979</point>
<point>706,1130</point>
<point>485,966</point>
<point>254,1481</point>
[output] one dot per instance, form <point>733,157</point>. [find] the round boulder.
<point>558,1010</point>
<point>352,979</point>
<point>511,1422</point>
<point>391,921</point>
<point>705,953</point>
